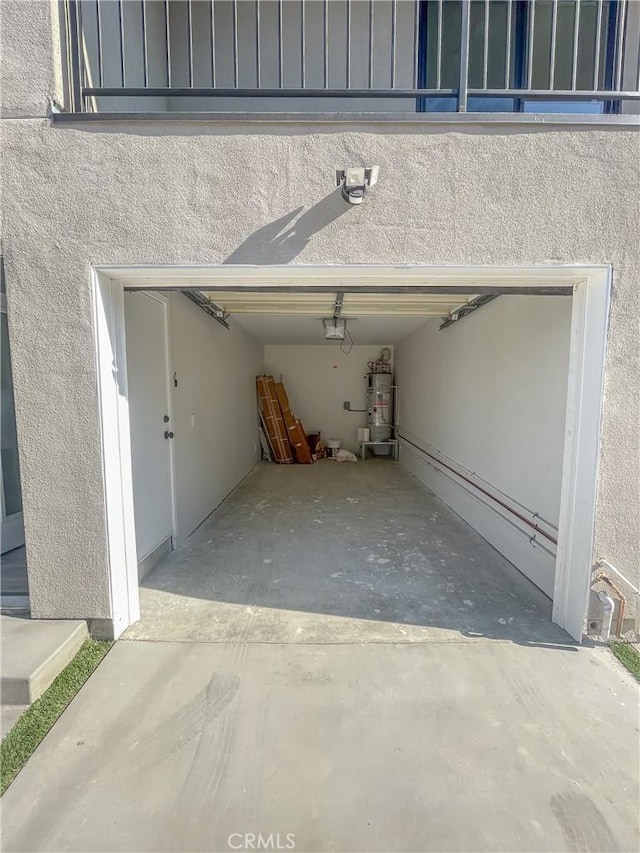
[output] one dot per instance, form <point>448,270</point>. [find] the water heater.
<point>379,405</point>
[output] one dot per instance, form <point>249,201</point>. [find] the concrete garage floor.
<point>338,553</point>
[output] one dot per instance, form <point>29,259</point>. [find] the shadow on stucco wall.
<point>283,239</point>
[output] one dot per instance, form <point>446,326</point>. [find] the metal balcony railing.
<point>352,55</point>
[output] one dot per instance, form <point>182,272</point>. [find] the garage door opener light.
<point>335,329</point>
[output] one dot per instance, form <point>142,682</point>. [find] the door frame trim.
<point>591,286</point>
<point>580,465</point>
<point>111,370</point>
<point>11,526</point>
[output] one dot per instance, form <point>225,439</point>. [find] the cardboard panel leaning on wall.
<point>214,408</point>
<point>319,379</point>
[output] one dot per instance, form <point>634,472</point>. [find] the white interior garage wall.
<point>489,392</point>
<point>214,409</point>
<point>319,379</point>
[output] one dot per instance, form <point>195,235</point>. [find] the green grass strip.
<point>628,656</point>
<point>19,743</point>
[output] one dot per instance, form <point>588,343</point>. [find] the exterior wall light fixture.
<point>355,181</point>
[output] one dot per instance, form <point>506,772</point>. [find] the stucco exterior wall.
<point>207,193</point>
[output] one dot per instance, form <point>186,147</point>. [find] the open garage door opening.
<point>469,510</point>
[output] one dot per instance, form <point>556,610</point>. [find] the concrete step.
<point>34,652</point>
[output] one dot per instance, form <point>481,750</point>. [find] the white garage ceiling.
<point>296,317</point>
<point>304,330</point>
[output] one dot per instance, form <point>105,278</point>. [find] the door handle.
<point>168,434</point>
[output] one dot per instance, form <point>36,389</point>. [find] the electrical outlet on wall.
<point>346,405</point>
<point>193,420</point>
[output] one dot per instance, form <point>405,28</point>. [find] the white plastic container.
<point>333,446</point>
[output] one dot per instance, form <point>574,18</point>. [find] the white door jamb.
<point>111,364</point>
<point>585,392</point>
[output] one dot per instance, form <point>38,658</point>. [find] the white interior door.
<point>150,417</point>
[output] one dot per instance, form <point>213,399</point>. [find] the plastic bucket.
<point>333,446</point>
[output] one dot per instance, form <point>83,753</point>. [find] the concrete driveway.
<point>472,745</point>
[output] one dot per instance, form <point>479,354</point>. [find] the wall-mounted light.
<point>355,181</point>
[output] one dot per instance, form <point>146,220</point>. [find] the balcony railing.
<point>346,56</point>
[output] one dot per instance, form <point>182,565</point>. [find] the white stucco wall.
<point>489,393</point>
<point>157,193</point>
<point>318,380</point>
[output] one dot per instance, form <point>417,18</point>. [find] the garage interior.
<point>457,539</point>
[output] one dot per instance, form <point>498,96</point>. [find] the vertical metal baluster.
<point>394,25</point>
<point>302,44</point>
<point>167,34</point>
<point>554,37</point>
<point>622,9</point>
<point>326,43</point>
<point>576,43</point>
<point>212,27</point>
<point>190,41</point>
<point>371,44</point>
<point>258,44</point>
<point>121,31</point>
<point>439,46</point>
<point>81,51</point>
<point>416,41</point>
<point>75,56</point>
<point>235,43</point>
<point>464,56</point>
<point>507,64</point>
<point>280,47</point>
<point>485,54</point>
<point>530,39</point>
<point>99,39</point>
<point>348,45</point>
<point>82,55</point>
<point>598,47</point>
<point>145,49</point>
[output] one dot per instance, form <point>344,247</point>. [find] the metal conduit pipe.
<point>457,466</point>
<point>608,606</point>
<point>481,489</point>
<point>608,567</point>
<point>531,537</point>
